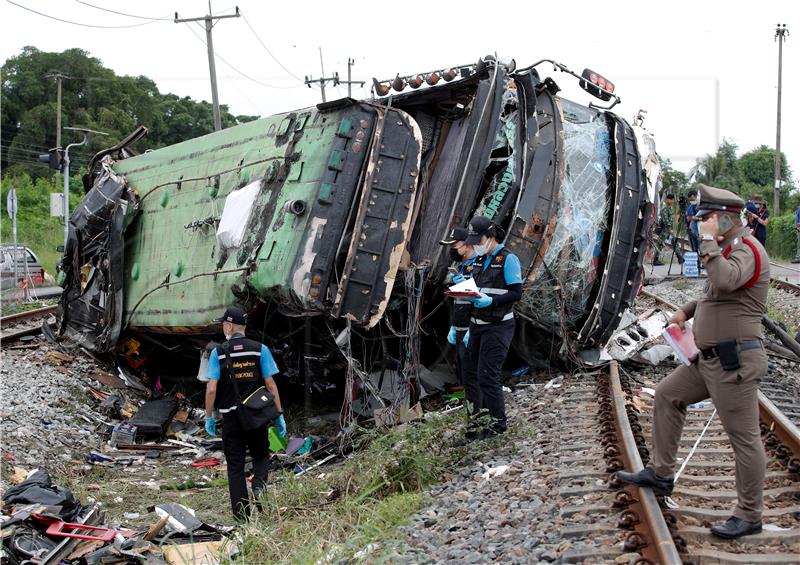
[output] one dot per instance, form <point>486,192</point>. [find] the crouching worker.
<point>251,364</point>
<point>498,275</point>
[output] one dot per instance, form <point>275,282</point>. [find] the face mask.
<point>455,255</point>
<point>481,249</point>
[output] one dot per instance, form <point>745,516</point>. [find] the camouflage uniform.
<point>663,228</point>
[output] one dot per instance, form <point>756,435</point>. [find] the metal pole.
<point>66,188</point>
<point>780,36</point>
<point>349,78</point>
<point>16,251</point>
<point>58,112</point>
<point>322,80</point>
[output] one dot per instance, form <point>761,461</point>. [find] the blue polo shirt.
<point>797,216</point>
<point>268,366</point>
<point>512,270</point>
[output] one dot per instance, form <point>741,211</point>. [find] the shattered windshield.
<point>563,283</point>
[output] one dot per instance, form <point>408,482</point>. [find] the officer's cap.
<point>456,234</point>
<point>718,200</point>
<point>478,227</point>
<point>234,315</point>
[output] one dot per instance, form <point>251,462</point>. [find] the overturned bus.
<point>324,223</point>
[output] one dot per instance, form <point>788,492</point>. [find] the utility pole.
<point>212,69</point>
<point>780,36</point>
<point>309,81</point>
<point>58,76</point>
<point>349,81</point>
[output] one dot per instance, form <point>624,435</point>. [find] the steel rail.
<point>660,547</point>
<point>777,423</point>
<point>30,314</point>
<point>785,286</point>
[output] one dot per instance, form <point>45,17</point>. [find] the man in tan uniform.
<point>727,330</point>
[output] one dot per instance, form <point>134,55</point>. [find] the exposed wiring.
<point>78,23</point>
<point>274,58</point>
<point>165,18</point>
<point>248,77</point>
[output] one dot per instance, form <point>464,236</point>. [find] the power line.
<point>77,23</point>
<point>166,18</point>
<point>274,58</point>
<point>248,77</point>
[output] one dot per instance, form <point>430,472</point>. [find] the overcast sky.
<point>703,70</point>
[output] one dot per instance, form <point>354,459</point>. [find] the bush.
<point>782,237</point>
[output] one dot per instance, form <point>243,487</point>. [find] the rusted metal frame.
<point>779,424</point>
<point>30,314</point>
<point>660,547</point>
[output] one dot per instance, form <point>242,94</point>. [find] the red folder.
<point>682,342</point>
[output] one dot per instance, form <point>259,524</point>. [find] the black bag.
<point>728,352</point>
<point>258,410</point>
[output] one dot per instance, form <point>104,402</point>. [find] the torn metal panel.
<point>382,224</point>
<point>90,308</point>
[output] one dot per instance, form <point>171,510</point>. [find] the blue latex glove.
<point>211,426</point>
<point>280,424</point>
<point>458,278</point>
<point>482,301</point>
<point>451,335</point>
<point>466,339</point>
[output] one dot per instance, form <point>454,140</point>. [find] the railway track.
<point>15,326</point>
<point>791,288</point>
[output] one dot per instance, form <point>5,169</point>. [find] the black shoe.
<point>647,478</point>
<point>736,527</point>
<point>658,263</point>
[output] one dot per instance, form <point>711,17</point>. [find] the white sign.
<point>11,203</point>
<point>691,268</point>
<point>56,205</point>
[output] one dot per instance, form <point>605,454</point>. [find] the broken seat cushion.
<point>154,416</point>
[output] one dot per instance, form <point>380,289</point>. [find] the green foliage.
<point>782,237</point>
<point>672,180</point>
<point>93,97</point>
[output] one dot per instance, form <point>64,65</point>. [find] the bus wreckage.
<point>324,223</point>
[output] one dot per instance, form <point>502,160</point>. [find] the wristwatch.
<point>706,237</point>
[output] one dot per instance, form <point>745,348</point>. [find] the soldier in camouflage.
<point>663,229</point>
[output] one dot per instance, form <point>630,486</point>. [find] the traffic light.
<point>52,158</point>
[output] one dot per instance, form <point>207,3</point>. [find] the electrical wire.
<point>248,77</point>
<point>123,13</point>
<point>274,58</point>
<point>77,23</point>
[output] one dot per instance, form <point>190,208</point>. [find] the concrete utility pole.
<point>58,76</point>
<point>335,78</point>
<point>349,81</point>
<point>781,32</point>
<point>212,69</point>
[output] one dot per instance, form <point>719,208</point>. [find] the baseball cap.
<point>456,234</point>
<point>478,227</point>
<point>234,315</point>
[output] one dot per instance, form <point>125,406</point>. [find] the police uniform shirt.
<point>268,366</point>
<point>512,270</point>
<point>736,290</point>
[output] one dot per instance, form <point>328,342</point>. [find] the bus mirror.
<point>596,85</point>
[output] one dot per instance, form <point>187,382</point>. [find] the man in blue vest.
<point>464,256</point>
<point>252,365</point>
<point>498,276</point>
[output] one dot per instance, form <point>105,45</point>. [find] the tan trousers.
<point>735,396</point>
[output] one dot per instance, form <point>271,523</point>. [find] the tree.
<point>93,97</point>
<point>672,181</point>
<point>719,169</point>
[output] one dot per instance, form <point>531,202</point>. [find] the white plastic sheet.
<point>236,214</point>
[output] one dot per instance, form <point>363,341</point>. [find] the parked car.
<point>24,257</point>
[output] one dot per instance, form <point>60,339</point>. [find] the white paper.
<point>467,285</point>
